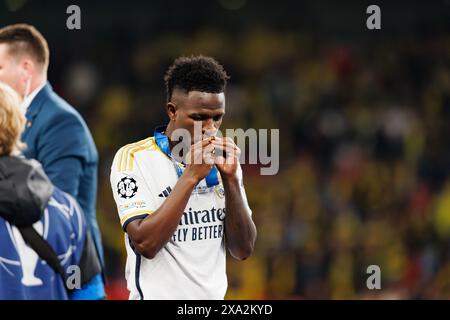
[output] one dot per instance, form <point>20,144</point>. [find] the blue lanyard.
<point>212,179</point>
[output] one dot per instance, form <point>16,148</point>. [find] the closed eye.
<point>198,117</point>
<point>202,117</point>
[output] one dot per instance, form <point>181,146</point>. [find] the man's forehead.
<point>5,52</point>
<point>194,99</point>
<point>4,49</point>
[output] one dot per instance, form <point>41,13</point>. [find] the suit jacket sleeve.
<point>62,149</point>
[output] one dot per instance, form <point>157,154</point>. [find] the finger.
<point>209,154</point>
<point>209,159</point>
<point>196,151</point>
<point>224,140</point>
<point>209,148</point>
<point>230,146</point>
<point>218,141</point>
<point>233,154</point>
<point>201,144</point>
<point>224,143</point>
<point>229,149</point>
<point>211,151</point>
<point>219,160</point>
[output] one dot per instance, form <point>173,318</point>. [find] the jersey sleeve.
<point>131,193</point>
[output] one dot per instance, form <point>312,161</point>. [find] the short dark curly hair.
<point>195,73</point>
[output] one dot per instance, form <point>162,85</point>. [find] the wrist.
<point>190,177</point>
<point>230,178</point>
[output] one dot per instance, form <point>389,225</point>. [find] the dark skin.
<point>151,234</point>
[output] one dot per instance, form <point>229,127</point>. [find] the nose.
<point>208,127</point>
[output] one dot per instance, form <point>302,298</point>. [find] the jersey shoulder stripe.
<point>126,153</point>
<point>150,146</point>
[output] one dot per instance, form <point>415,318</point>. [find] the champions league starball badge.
<point>127,188</point>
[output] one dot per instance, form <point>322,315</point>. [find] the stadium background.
<point>364,118</point>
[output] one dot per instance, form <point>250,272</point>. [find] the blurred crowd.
<point>364,153</point>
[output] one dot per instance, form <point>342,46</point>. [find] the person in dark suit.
<point>55,133</point>
<point>39,223</point>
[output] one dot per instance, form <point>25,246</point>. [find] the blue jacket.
<point>57,136</point>
<point>24,276</point>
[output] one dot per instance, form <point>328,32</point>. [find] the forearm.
<point>239,227</point>
<point>152,233</point>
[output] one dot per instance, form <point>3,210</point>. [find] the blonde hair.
<point>12,121</point>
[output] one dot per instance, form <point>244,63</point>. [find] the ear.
<point>171,109</point>
<point>28,68</point>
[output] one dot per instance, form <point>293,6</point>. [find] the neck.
<point>169,130</point>
<point>37,82</point>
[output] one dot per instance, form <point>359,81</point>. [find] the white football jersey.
<point>192,264</point>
